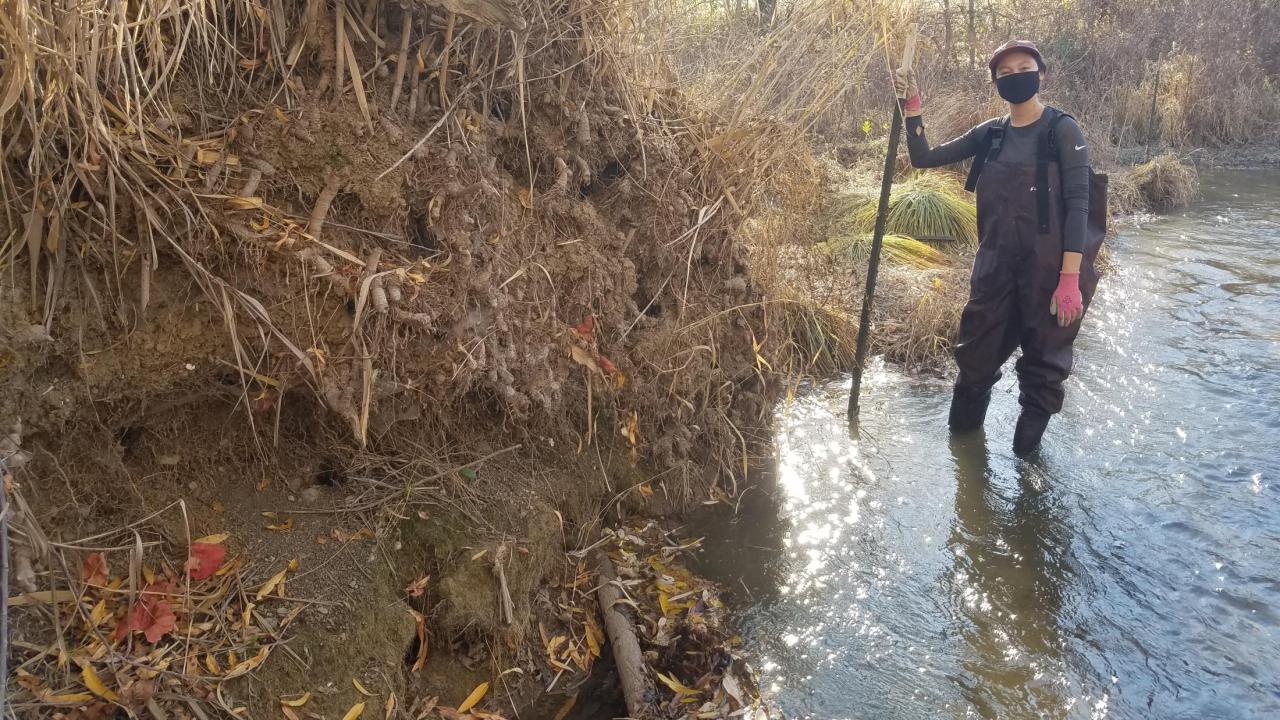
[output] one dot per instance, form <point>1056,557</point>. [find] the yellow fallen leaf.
<point>298,701</point>
<point>474,698</point>
<point>231,566</point>
<point>289,713</point>
<point>675,685</point>
<point>391,706</point>
<point>99,614</point>
<point>282,526</point>
<point>421,621</point>
<point>218,506</point>
<point>94,683</point>
<point>271,584</point>
<point>214,539</point>
<point>526,198</point>
<point>593,639</point>
<point>293,564</point>
<point>356,711</point>
<point>245,666</point>
<point>30,682</point>
<point>244,203</point>
<point>585,359</point>
<point>43,596</point>
<point>360,688</point>
<point>68,698</point>
<point>211,663</point>
<point>556,642</point>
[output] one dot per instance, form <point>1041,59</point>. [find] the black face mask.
<point>1019,87</point>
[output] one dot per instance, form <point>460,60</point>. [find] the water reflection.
<point>1133,575</point>
<point>1008,583</point>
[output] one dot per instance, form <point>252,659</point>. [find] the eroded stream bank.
<point>1129,573</point>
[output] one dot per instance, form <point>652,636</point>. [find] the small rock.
<point>311,495</point>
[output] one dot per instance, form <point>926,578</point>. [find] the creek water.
<point>1132,571</point>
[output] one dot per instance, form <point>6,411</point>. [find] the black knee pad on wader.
<point>968,408</point>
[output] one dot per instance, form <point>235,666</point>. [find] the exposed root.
<point>332,186</point>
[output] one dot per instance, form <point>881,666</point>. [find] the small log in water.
<point>636,688</point>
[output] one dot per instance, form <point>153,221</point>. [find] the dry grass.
<point>917,315</point>
<point>404,223</point>
<point>1165,183</point>
<point>928,206</point>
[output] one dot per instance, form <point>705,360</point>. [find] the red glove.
<point>1067,302</point>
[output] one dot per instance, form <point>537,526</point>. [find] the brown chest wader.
<point>1021,214</point>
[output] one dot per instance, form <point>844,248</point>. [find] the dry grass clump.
<point>820,339</point>
<point>928,206</point>
<point>1124,197</point>
<point>855,249</point>
<point>917,315</point>
<point>1164,183</point>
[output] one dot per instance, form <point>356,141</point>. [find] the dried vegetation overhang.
<point>484,210</point>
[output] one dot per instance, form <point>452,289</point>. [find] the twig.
<point>445,116</point>
<point>444,59</point>
<point>406,24</point>
<point>4,587</point>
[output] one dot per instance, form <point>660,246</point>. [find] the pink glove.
<point>1067,303</point>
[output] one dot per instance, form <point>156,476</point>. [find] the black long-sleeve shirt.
<point>1019,145</point>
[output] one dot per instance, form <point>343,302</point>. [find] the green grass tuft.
<point>924,207</point>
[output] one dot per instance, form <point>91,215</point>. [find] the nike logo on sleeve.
<point>1080,147</point>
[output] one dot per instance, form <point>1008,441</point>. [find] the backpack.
<point>1046,151</point>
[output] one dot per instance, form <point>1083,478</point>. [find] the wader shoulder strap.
<point>989,149</point>
<point>1046,152</point>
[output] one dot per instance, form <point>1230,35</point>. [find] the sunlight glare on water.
<point>1131,572</point>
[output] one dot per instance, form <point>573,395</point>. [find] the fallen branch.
<point>632,671</point>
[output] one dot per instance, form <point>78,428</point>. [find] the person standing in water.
<point>1034,274</point>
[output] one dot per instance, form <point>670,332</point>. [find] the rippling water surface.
<point>1132,572</point>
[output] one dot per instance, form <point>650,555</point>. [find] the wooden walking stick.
<point>877,237</point>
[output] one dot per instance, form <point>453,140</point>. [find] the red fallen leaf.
<point>152,615</point>
<point>95,569</point>
<point>606,365</point>
<point>585,327</point>
<point>205,559</point>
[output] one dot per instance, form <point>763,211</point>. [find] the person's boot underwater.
<point>968,409</point>
<point>1029,431</point>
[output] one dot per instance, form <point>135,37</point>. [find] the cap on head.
<point>1025,46</point>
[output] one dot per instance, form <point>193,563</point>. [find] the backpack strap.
<point>1046,151</point>
<point>989,150</point>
